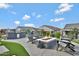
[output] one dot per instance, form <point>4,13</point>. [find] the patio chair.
<point>64,44</point>
<point>32,39</point>
<point>70,46</point>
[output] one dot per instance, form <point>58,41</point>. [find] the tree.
<point>73,34</point>
<point>0,38</point>
<point>27,31</point>
<point>48,33</point>
<point>0,35</point>
<point>43,33</point>
<point>57,35</point>
<point>75,30</point>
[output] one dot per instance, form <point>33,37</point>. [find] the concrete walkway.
<point>34,51</point>
<point>3,49</point>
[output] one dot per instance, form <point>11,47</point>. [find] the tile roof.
<point>28,27</point>
<point>51,27</point>
<point>73,25</point>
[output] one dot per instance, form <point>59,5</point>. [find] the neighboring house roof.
<point>70,26</point>
<point>32,28</point>
<point>51,27</point>
<point>10,30</point>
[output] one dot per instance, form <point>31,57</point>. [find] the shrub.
<point>48,34</point>
<point>76,41</point>
<point>57,35</point>
<point>0,35</point>
<point>44,33</point>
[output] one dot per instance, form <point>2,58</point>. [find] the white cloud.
<point>64,8</point>
<point>51,20</point>
<point>4,5</point>
<point>63,5</point>
<point>17,22</point>
<point>13,12</point>
<point>26,17</point>
<point>38,16</point>
<point>29,25</point>
<point>56,19</point>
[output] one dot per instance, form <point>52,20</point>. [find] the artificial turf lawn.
<point>15,48</point>
<point>76,41</point>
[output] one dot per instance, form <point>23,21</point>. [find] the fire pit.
<point>47,42</point>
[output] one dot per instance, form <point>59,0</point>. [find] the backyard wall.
<point>14,35</point>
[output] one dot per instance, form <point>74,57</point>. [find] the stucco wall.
<point>15,35</point>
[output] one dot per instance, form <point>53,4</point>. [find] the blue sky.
<point>30,14</point>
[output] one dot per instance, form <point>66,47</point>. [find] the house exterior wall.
<point>37,31</point>
<point>46,28</point>
<point>65,31</point>
<point>51,30</point>
<point>31,29</point>
<point>13,35</point>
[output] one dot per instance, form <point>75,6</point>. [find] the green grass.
<point>15,48</point>
<point>76,41</point>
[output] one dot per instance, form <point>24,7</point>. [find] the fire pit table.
<point>46,42</point>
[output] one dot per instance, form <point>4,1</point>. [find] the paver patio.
<point>34,51</point>
<point>3,49</point>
